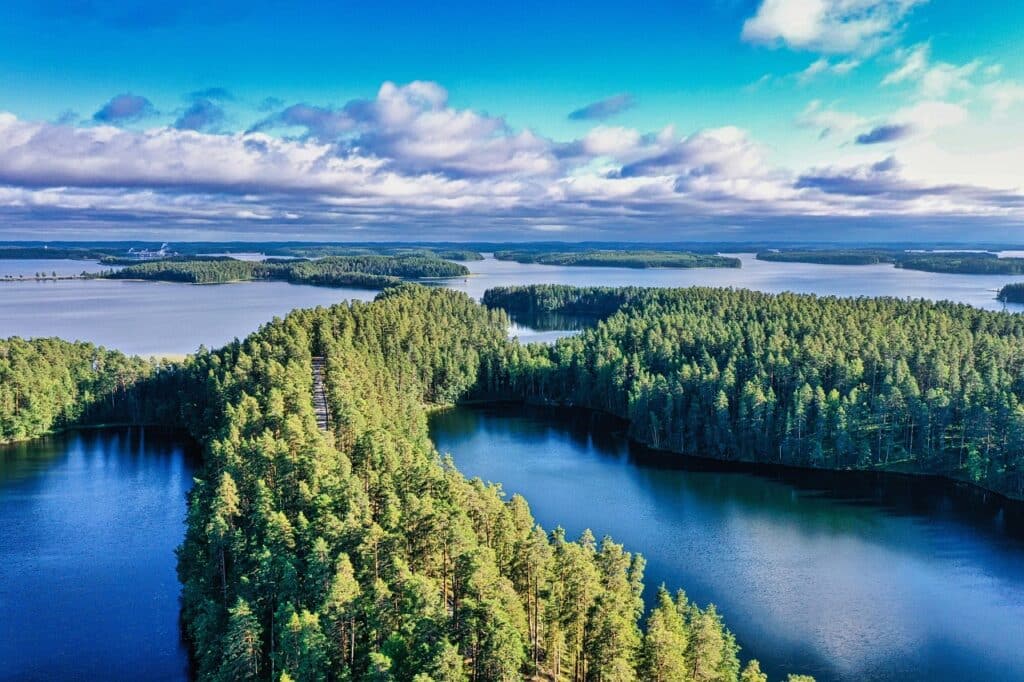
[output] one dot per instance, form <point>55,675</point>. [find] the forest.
<point>969,263</point>
<point>950,262</point>
<point>367,272</point>
<point>126,253</point>
<point>830,256</point>
<point>561,299</point>
<point>359,553</point>
<point>620,258</point>
<point>838,383</point>
<point>49,384</point>
<point>49,253</point>
<point>1012,293</point>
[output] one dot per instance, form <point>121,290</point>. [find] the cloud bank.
<point>407,164</point>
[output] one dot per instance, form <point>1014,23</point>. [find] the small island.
<point>620,258</point>
<point>946,262</point>
<point>1012,293</point>
<point>830,256</point>
<point>963,263</point>
<point>364,272</point>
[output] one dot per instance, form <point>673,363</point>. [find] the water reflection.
<point>842,576</point>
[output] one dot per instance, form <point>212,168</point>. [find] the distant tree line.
<point>369,272</point>
<point>621,258</point>
<point>830,256</point>
<point>952,262</point>
<point>1012,293</point>
<point>792,379</point>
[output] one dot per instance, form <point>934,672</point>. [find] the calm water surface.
<point>153,318</point>
<point>834,579</point>
<point>88,526</point>
<point>843,577</point>
<point>164,318</point>
<point>808,278</point>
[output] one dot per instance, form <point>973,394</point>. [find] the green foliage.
<point>560,298</point>
<point>369,272</point>
<point>830,256</point>
<point>800,380</point>
<point>49,384</point>
<point>623,258</point>
<point>1012,293</point>
<point>969,263</point>
<point>361,553</point>
<point>48,253</point>
<point>954,262</point>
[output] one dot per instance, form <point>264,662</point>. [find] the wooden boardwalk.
<point>319,395</point>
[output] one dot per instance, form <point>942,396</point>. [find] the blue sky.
<point>725,119</point>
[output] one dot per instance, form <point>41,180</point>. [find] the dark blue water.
<point>845,577</point>
<point>88,526</point>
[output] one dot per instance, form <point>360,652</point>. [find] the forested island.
<point>830,256</point>
<point>621,259</point>
<point>949,262</point>
<point>1012,293</point>
<point>368,272</point>
<point>857,383</point>
<point>963,263</point>
<point>130,253</point>
<point>357,553</point>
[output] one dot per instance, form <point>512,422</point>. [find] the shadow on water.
<point>844,575</point>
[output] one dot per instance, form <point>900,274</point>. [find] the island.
<point>620,258</point>
<point>948,262</point>
<point>367,272</point>
<point>830,256</point>
<point>970,263</point>
<point>1012,293</point>
<point>325,536</point>
<point>133,252</point>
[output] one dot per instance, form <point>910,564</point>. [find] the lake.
<point>89,521</point>
<point>843,576</point>
<point>165,318</point>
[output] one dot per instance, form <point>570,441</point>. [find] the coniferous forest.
<point>358,553</point>
<point>824,382</point>
<point>363,271</point>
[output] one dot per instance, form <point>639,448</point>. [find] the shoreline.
<point>745,465</point>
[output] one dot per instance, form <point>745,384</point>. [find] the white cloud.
<point>938,79</point>
<point>407,157</point>
<point>827,120</point>
<point>608,140</point>
<point>823,66</point>
<point>413,124</point>
<point>1003,96</point>
<point>828,26</point>
<point>929,116</point>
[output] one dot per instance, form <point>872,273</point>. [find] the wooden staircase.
<point>319,395</point>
